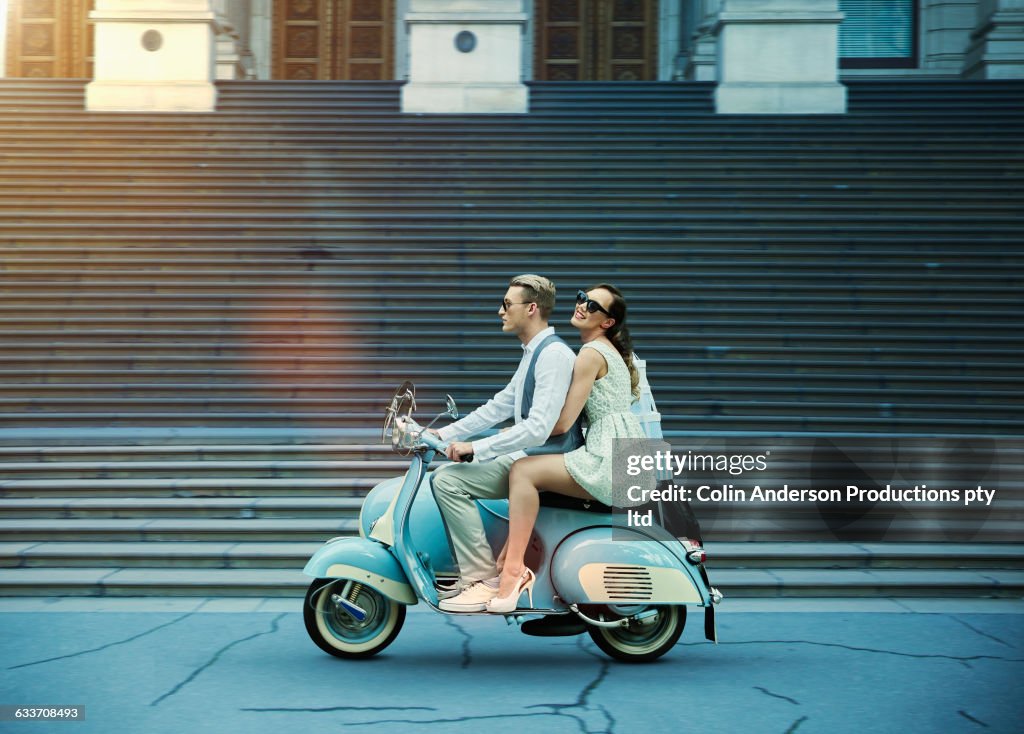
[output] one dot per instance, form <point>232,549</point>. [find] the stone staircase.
<point>201,315</point>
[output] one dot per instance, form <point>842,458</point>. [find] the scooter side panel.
<point>590,567</point>
<point>376,503</point>
<point>427,531</point>
<point>364,561</point>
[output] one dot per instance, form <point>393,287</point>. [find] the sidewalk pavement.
<point>157,666</point>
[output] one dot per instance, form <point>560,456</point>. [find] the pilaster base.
<point>164,96</point>
<point>997,48</point>
<point>456,98</point>
<point>767,98</point>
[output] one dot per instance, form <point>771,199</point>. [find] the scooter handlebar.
<point>440,446</point>
<point>433,441</point>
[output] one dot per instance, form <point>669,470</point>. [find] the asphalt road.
<point>187,665</point>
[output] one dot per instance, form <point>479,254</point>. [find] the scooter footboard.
<point>365,561</point>
<point>589,567</point>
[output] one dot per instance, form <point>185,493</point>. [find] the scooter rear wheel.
<point>339,633</point>
<point>641,643</point>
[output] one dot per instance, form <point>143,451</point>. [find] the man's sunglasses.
<point>506,305</point>
<point>592,305</point>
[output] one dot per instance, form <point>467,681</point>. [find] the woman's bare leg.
<point>526,478</point>
<point>499,562</point>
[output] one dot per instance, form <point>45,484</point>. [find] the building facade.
<point>562,40</point>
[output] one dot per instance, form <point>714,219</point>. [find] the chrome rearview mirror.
<point>451,410</point>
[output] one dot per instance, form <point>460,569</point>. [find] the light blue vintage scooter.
<point>626,586</point>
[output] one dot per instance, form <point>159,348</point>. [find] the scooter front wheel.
<point>642,641</point>
<point>338,631</point>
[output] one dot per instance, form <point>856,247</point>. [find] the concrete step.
<point>733,583</point>
<point>765,419</point>
<point>364,412</point>
<point>839,555</point>
<point>681,190</point>
<point>201,521</point>
<point>722,555</point>
<point>868,583</point>
<point>157,554</point>
<point>471,384</point>
<point>178,528</point>
<point>255,397</point>
<point>204,468</point>
<point>184,486</point>
<point>321,273</point>
<point>182,507</point>
<point>966,339</point>
<point>43,172</point>
<point>713,421</point>
<point>512,204</point>
<point>39,452</point>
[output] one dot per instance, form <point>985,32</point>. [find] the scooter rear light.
<point>697,557</point>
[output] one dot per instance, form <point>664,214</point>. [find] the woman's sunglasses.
<point>592,305</point>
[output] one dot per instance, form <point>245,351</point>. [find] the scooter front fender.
<point>593,567</point>
<point>365,561</point>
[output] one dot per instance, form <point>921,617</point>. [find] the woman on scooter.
<point>605,383</point>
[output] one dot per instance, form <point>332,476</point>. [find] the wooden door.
<point>596,40</point>
<point>49,39</point>
<point>334,39</point>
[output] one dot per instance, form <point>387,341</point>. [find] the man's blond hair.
<point>537,289</point>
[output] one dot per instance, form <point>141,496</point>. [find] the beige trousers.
<point>456,489</point>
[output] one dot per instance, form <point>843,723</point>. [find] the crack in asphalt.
<point>216,656</point>
<point>980,632</point>
<point>776,695</point>
<point>582,703</point>
<point>454,720</point>
<point>104,647</point>
<point>971,718</point>
<point>331,709</point>
<point>796,725</point>
<point>467,638</point>
<point>918,655</point>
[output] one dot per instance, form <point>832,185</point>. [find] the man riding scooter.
<point>533,398</point>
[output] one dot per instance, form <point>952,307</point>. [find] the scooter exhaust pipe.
<point>644,618</point>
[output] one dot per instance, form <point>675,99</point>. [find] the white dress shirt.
<point>552,376</point>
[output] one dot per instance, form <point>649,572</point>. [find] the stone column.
<point>465,56</point>
<point>779,57</point>
<point>670,20</point>
<point>702,63</point>
<point>229,57</point>
<point>234,59</point>
<point>947,26</point>
<point>997,43</point>
<point>259,38</point>
<point>153,56</point>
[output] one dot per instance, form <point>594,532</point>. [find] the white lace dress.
<point>609,417</point>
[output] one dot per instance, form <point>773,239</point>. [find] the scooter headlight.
<point>396,436</point>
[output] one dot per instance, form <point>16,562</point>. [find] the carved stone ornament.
<point>465,41</point>
<point>152,40</point>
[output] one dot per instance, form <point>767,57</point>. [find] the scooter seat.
<point>565,502</point>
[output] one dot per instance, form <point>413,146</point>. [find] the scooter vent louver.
<point>628,583</point>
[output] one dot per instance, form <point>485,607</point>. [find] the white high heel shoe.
<point>507,604</point>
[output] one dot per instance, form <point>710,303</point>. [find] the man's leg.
<point>456,489</point>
